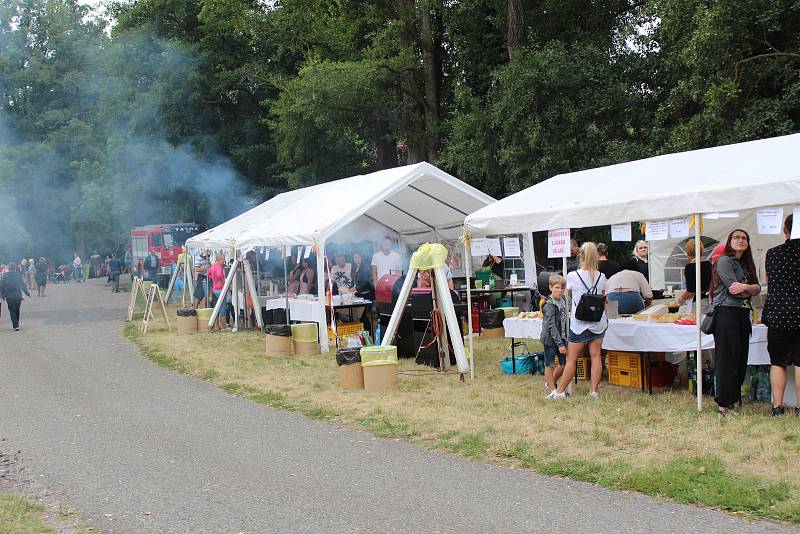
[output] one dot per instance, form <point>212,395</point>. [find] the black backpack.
<point>592,305</point>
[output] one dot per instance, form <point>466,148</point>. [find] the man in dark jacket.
<point>114,270</point>
<point>11,289</point>
<point>151,266</point>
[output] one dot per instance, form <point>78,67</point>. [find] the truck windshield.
<point>177,236</point>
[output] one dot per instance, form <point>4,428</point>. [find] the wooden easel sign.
<point>152,296</point>
<point>137,288</point>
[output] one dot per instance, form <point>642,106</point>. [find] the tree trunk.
<point>386,147</point>
<point>431,64</point>
<point>516,25</point>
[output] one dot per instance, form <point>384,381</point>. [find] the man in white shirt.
<point>385,260</point>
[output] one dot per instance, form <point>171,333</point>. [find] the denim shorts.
<point>550,354</point>
<point>585,337</point>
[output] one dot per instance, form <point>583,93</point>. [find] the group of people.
<point>17,279</point>
<point>730,282</point>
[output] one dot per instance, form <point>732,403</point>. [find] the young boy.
<point>554,330</point>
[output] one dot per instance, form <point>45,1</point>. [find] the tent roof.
<point>733,177</point>
<point>406,200</point>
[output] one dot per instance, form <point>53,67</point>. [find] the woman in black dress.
<point>689,274</point>
<point>42,270</point>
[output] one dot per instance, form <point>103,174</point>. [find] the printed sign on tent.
<point>478,247</point>
<point>770,221</point>
<point>308,252</point>
<point>299,253</point>
<point>679,227</point>
<point>795,223</point>
<point>558,243</point>
<point>621,232</point>
<point>657,230</point>
<point>511,247</point>
<point>493,243</point>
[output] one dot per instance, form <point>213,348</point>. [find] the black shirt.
<point>12,286</point>
<point>782,310</point>
<point>497,268</point>
<point>705,277</point>
<point>608,268</point>
<point>635,263</point>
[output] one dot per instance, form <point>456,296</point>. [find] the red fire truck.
<point>164,240</point>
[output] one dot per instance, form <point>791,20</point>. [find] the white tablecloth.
<point>299,309</point>
<point>632,335</point>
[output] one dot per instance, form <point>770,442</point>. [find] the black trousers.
<point>732,342</point>
<point>13,310</point>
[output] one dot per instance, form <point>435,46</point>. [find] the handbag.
<point>707,326</point>
<point>591,306</point>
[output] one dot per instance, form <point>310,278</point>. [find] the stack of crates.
<point>624,369</point>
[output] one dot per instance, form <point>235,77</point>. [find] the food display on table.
<point>529,315</point>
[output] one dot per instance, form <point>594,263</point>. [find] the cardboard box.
<point>187,325</point>
<point>381,377</point>
<point>493,332</point>
<point>351,376</point>
<point>305,348</point>
<point>278,345</point>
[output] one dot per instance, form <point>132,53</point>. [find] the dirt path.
<point>137,448</point>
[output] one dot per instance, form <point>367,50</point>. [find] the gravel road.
<point>137,448</point>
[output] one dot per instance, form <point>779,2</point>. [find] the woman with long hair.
<point>587,279</point>
<point>360,274</point>
<point>733,282</point>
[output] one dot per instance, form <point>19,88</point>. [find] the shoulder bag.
<point>591,306</point>
<point>707,326</point>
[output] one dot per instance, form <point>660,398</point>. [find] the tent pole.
<point>235,293</point>
<point>530,264</point>
<point>468,269</point>
<point>323,324</point>
<point>286,281</point>
<point>698,309</point>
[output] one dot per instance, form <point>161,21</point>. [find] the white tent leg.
<point>221,299</point>
<point>323,324</point>
<point>446,304</point>
<point>399,307</point>
<point>698,309</point>
<point>468,266</point>
<point>172,280</point>
<point>248,272</point>
<point>235,297</point>
<point>188,279</point>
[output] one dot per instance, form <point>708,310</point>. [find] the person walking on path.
<point>42,270</point>
<point>114,270</point>
<point>11,289</point>
<point>77,267</point>
<point>782,316</point>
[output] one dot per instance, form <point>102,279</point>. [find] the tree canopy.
<point>193,109</point>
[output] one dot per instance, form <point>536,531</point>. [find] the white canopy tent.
<point>741,176</point>
<point>414,204</point>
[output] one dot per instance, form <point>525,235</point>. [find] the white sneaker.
<point>594,395</point>
<point>555,395</point>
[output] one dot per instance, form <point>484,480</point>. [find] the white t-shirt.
<point>387,262</point>
<point>574,284</point>
<point>341,277</point>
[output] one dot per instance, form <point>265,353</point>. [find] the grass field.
<point>19,516</point>
<point>658,445</point>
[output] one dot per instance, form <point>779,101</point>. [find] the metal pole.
<point>698,309</point>
<point>286,281</point>
<point>468,268</point>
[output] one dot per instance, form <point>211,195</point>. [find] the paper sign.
<point>288,250</point>
<point>308,252</point>
<point>558,243</point>
<point>299,253</point>
<point>266,253</point>
<point>478,247</point>
<point>493,244</point>
<point>679,227</point>
<point>621,232</point>
<point>795,223</point>
<point>770,221</point>
<point>511,247</point>
<point>657,230</point>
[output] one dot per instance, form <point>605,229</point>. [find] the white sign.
<point>621,232</point>
<point>770,221</point>
<point>266,253</point>
<point>795,223</point>
<point>511,247</point>
<point>714,215</point>
<point>308,252</point>
<point>478,247</point>
<point>299,253</point>
<point>679,227</point>
<point>288,250</point>
<point>493,243</point>
<point>657,230</point>
<point>558,243</point>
